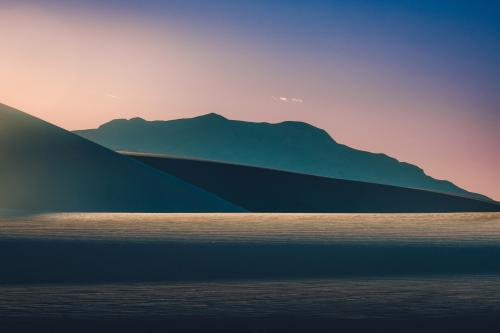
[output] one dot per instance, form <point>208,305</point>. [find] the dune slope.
<point>267,190</point>
<point>45,168</point>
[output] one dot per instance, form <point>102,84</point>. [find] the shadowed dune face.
<point>45,168</point>
<point>266,190</point>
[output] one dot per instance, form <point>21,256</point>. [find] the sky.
<point>417,80</point>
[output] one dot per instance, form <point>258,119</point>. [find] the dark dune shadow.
<point>267,190</point>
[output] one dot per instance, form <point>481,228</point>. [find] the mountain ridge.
<point>289,145</point>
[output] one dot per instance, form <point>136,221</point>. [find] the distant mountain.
<point>267,190</point>
<point>45,168</point>
<point>291,146</point>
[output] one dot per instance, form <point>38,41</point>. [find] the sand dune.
<point>45,168</point>
<point>267,190</point>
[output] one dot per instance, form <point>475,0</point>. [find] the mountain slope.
<point>290,146</point>
<point>45,168</point>
<point>266,190</point>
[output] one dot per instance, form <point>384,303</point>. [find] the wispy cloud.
<point>111,96</point>
<point>285,99</point>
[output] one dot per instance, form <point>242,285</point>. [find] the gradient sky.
<point>418,80</point>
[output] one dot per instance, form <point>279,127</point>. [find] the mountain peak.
<point>137,119</point>
<point>212,115</point>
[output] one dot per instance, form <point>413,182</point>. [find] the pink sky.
<point>81,69</point>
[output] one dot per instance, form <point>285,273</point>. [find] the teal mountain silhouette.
<point>290,146</point>
<point>45,168</point>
